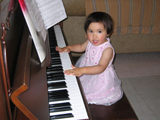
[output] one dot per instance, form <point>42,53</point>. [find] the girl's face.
<point>96,33</point>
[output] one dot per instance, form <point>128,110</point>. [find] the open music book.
<point>41,15</point>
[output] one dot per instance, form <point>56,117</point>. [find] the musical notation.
<point>41,15</point>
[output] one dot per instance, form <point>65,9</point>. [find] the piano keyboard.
<point>65,99</point>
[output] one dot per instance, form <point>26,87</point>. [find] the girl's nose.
<point>94,35</point>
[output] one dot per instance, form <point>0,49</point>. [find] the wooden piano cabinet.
<point>29,93</point>
<point>5,111</point>
<point>22,75</point>
<point>18,115</point>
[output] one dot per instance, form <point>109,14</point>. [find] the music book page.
<point>41,15</point>
<point>35,15</point>
<point>52,11</point>
<point>38,41</point>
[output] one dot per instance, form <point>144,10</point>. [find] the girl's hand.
<point>64,49</point>
<point>75,71</point>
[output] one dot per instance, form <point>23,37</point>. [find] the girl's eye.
<point>90,31</point>
<point>99,31</point>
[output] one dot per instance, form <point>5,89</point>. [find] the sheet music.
<point>45,13</point>
<point>41,15</point>
<point>38,41</point>
<point>36,17</point>
<point>52,11</point>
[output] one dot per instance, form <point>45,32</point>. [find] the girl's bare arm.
<point>97,69</point>
<point>75,48</point>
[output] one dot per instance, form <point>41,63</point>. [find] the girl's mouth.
<point>95,41</point>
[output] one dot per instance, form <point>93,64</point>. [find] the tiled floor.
<point>144,96</point>
<point>140,76</point>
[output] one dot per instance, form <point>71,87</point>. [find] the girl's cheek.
<point>89,37</point>
<point>102,37</point>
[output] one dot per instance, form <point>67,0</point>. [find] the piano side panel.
<point>13,40</point>
<point>4,113</point>
<point>36,97</point>
<point>18,115</point>
<point>22,74</point>
<point>3,97</point>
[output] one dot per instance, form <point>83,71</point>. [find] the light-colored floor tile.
<point>153,101</point>
<point>128,87</point>
<point>144,95</point>
<point>140,76</point>
<point>137,64</point>
<point>147,117</point>
<point>138,104</point>
<point>156,77</point>
<point>149,90</point>
<point>145,84</point>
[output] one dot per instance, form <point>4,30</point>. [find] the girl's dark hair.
<point>102,17</point>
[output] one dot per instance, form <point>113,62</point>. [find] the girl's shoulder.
<point>108,49</point>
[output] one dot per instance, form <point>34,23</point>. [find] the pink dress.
<point>104,88</point>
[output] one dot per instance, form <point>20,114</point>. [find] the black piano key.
<point>60,109</point>
<point>58,95</point>
<point>53,46</point>
<point>57,92</point>
<point>53,55</point>
<point>53,50</point>
<point>56,75</point>
<point>60,98</point>
<point>57,57</point>
<point>55,62</point>
<point>57,85</point>
<point>54,72</point>
<point>52,37</point>
<point>56,65</point>
<point>56,68</point>
<point>52,43</point>
<point>56,54</point>
<point>59,105</point>
<point>69,115</point>
<point>55,79</point>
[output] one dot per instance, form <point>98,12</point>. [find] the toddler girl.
<point>94,68</point>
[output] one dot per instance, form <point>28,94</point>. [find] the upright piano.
<point>41,90</point>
